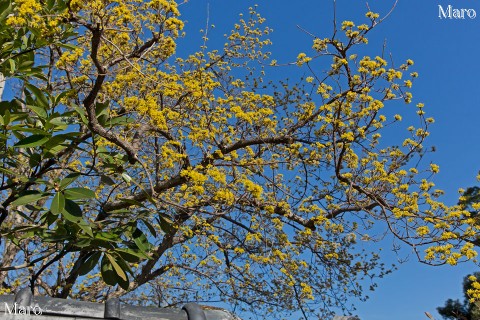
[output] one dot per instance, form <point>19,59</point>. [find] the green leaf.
<point>126,177</point>
<point>29,198</point>
<point>150,228</point>
<point>57,142</point>
<point>58,203</point>
<point>81,113</point>
<point>131,255</point>
<point>48,218</point>
<point>15,240</point>
<point>166,223</point>
<point>6,117</point>
<point>79,193</point>
<point>117,121</point>
<point>11,63</point>
<point>85,226</point>
<point>41,99</point>
<point>32,141</point>
<point>123,264</point>
<point>69,179</point>
<point>98,243</point>
<point>89,263</point>
<point>72,212</point>
<point>124,284</point>
<point>5,9</point>
<point>59,139</point>
<point>59,120</point>
<point>141,240</point>
<point>26,64</point>
<point>108,275</point>
<point>101,109</point>
<point>34,160</point>
<point>67,46</point>
<point>108,236</point>
<point>7,171</point>
<point>82,243</point>
<point>118,270</point>
<point>106,180</point>
<point>39,111</point>
<point>22,128</point>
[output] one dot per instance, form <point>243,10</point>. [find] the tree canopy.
<point>177,178</point>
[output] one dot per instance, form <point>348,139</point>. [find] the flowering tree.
<point>195,178</point>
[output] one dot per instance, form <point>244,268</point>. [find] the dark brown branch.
<point>143,195</point>
<point>246,143</point>
<point>138,52</point>
<point>89,102</point>
<point>335,213</point>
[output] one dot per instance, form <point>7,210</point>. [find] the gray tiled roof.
<point>24,306</point>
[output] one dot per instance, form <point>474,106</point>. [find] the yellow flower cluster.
<point>474,291</point>
<point>302,59</point>
<point>26,12</point>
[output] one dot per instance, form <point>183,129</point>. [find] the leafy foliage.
<point>195,178</point>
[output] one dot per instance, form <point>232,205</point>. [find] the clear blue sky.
<point>446,56</point>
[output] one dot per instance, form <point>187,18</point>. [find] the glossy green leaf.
<point>72,212</point>
<point>108,275</point>
<point>150,228</point>
<point>166,223</point>
<point>69,179</point>
<point>82,243</point>
<point>131,255</point>
<point>39,111</point>
<point>5,9</point>
<point>89,263</point>
<point>79,193</point>
<point>68,46</point>
<point>81,113</point>
<point>55,141</point>
<point>108,236</point>
<point>41,99</point>
<point>85,226</point>
<point>126,177</point>
<point>116,267</point>
<point>140,240</point>
<point>6,117</point>
<point>106,180</point>
<point>11,64</point>
<point>58,203</point>
<point>123,264</point>
<point>32,141</point>
<point>34,160</point>
<point>29,198</point>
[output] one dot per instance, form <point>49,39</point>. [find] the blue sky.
<point>446,56</point>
